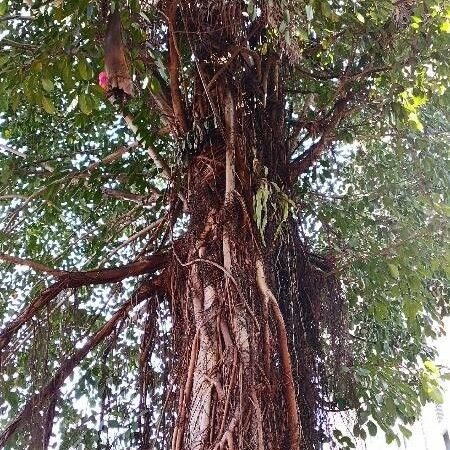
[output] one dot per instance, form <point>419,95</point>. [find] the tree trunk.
<point>246,300</point>
<point>237,389</point>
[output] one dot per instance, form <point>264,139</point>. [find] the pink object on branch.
<point>103,80</point>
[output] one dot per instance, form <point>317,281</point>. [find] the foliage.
<point>370,90</point>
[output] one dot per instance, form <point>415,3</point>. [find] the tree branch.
<point>8,149</point>
<point>128,196</point>
<point>66,368</point>
<point>156,157</point>
<point>69,280</point>
<point>108,159</point>
<point>302,163</point>
<point>32,264</point>
<point>135,236</point>
<point>71,176</point>
<point>16,17</point>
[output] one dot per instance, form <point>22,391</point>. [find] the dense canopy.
<point>278,180</point>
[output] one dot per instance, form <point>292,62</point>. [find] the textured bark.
<point>231,395</point>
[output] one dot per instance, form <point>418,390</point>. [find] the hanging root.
<point>289,391</point>
<point>227,438</point>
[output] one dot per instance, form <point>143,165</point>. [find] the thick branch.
<point>303,162</point>
<point>77,279</point>
<point>46,394</point>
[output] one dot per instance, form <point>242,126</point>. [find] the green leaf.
<point>360,17</point>
<point>84,70</point>
<point>84,105</point>
<point>325,8</point>
<point>436,395</point>
<point>431,367</point>
<point>411,307</point>
<point>405,431</point>
<point>3,7</point>
<point>47,84</point>
<point>48,105</point>
<point>445,27</point>
<point>5,174</point>
<point>390,436</point>
<point>371,428</point>
<point>381,311</point>
<point>154,85</point>
<point>36,66</point>
<point>393,270</point>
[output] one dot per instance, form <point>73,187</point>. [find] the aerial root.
<point>293,420</point>
<point>227,440</point>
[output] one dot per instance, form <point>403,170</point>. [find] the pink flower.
<point>103,80</point>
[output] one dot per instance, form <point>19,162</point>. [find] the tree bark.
<point>238,381</point>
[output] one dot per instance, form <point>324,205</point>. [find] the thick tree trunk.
<point>245,299</point>
<point>238,384</point>
<point>237,389</point>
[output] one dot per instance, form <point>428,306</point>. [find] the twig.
<point>22,45</point>
<point>8,149</point>
<point>156,157</point>
<point>75,175</point>
<point>13,197</point>
<point>135,236</point>
<point>16,17</point>
<point>134,198</point>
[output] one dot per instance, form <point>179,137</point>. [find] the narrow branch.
<point>13,197</point>
<point>135,236</point>
<point>156,157</point>
<point>66,368</point>
<point>108,159</point>
<point>77,279</point>
<point>302,163</point>
<point>8,149</point>
<point>65,179</point>
<point>134,198</point>
<point>316,76</point>
<point>16,17</point>
<point>22,45</point>
<point>32,264</point>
